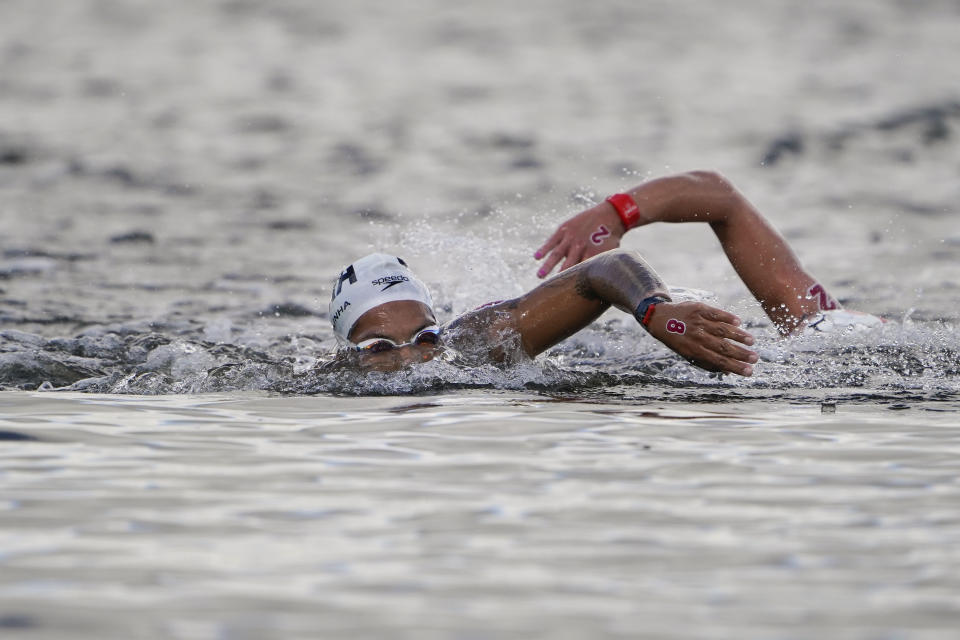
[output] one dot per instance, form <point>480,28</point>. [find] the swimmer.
<point>382,315</point>
<point>790,296</point>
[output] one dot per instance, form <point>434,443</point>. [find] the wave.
<point>898,362</point>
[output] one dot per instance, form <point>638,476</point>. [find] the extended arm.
<point>759,254</point>
<point>570,301</point>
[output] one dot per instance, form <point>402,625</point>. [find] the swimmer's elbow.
<point>716,187</point>
<point>616,259</point>
<point>629,258</point>
<point>710,179</point>
<point>620,255</point>
<point>715,193</point>
<point>621,277</point>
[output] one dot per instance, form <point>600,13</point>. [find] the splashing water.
<point>914,361</point>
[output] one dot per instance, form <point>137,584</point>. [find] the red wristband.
<point>626,208</point>
<point>644,311</point>
<point>647,315</point>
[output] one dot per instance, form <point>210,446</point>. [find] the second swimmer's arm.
<point>570,301</point>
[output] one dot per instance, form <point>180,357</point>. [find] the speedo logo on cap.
<point>390,281</point>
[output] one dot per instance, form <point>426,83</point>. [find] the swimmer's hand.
<point>704,336</point>
<point>583,236</point>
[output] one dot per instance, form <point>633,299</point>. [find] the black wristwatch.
<point>645,308</point>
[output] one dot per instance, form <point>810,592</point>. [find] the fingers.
<point>731,350</point>
<point>718,347</point>
<point>555,255</point>
<point>713,361</point>
<point>722,355</point>
<point>724,324</point>
<point>725,330</point>
<point>713,339</point>
<point>719,315</point>
<point>726,365</point>
<point>548,246</point>
<point>574,256</point>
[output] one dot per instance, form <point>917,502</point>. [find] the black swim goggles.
<point>428,335</point>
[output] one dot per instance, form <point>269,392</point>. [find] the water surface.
<point>181,181</point>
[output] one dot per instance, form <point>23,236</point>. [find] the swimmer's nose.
<point>416,352</point>
<point>422,352</point>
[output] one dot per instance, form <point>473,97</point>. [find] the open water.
<point>180,182</point>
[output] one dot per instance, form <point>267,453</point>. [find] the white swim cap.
<point>369,282</point>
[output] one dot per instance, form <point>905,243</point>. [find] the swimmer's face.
<point>399,321</point>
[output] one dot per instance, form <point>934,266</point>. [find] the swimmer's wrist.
<point>626,208</point>
<point>645,310</point>
<point>606,214</point>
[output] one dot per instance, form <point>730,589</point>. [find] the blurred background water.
<point>180,181</point>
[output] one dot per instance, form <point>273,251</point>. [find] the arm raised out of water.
<point>757,251</point>
<point>558,308</point>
